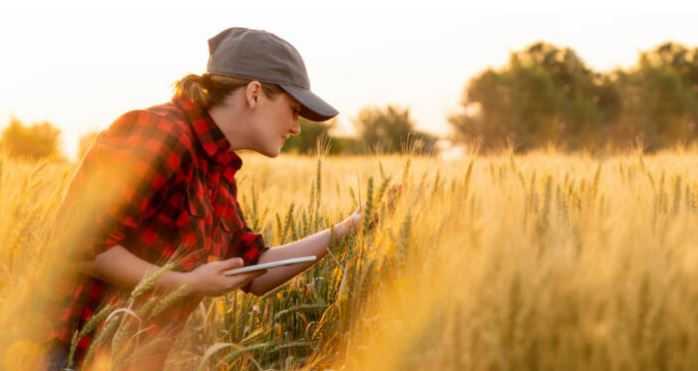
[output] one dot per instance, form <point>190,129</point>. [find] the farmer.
<point>159,184</point>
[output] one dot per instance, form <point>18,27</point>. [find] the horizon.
<point>111,69</point>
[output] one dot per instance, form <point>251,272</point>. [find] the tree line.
<point>544,95</point>
<point>388,129</point>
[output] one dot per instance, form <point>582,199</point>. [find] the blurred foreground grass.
<point>542,261</point>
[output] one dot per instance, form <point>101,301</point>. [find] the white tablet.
<point>274,264</point>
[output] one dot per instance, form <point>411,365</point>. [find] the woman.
<point>159,184</point>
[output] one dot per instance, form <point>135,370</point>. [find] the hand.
<point>353,221</point>
<point>392,195</point>
<point>210,280</point>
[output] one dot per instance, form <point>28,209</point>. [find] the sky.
<point>80,65</point>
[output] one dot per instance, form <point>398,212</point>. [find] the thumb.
<point>232,263</point>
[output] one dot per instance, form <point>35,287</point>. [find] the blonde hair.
<point>210,90</point>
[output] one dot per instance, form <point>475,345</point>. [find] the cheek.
<point>282,122</point>
<point>265,134</point>
<point>273,125</point>
<point>269,132</point>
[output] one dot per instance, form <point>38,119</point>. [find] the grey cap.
<point>263,56</point>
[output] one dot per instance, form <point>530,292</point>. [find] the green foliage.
<point>547,94</point>
<point>544,95</point>
<point>311,132</point>
<point>347,146</point>
<point>391,129</point>
<point>660,97</point>
<point>384,130</point>
<point>34,142</point>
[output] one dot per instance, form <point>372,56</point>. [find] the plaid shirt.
<point>159,182</point>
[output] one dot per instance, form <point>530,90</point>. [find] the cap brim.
<point>314,108</point>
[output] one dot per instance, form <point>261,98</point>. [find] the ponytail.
<point>210,90</point>
<point>193,87</point>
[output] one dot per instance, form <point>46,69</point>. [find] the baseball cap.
<point>263,56</point>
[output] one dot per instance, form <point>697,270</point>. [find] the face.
<point>252,120</point>
<point>275,119</point>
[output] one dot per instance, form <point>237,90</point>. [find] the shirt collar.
<point>214,143</point>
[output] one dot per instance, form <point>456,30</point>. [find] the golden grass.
<point>538,262</point>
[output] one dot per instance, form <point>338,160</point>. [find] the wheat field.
<point>543,261</point>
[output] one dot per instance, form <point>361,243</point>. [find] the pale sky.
<point>80,69</point>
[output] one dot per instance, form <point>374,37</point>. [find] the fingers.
<point>231,263</point>
<point>241,279</point>
<point>396,189</point>
<point>357,211</point>
<point>393,195</point>
<point>248,275</point>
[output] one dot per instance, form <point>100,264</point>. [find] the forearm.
<point>315,244</point>
<point>122,268</point>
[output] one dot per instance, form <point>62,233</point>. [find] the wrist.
<point>181,278</point>
<point>344,227</point>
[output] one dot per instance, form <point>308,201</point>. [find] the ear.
<point>253,93</point>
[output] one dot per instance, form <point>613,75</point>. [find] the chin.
<point>270,153</point>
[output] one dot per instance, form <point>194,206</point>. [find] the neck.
<point>232,123</point>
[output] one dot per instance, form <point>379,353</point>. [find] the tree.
<point>544,94</point>
<point>347,146</point>
<point>659,97</point>
<point>391,129</point>
<point>40,140</point>
<point>311,132</point>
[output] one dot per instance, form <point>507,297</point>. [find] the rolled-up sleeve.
<point>248,245</point>
<point>251,247</point>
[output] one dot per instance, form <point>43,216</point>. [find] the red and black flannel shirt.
<point>161,183</point>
